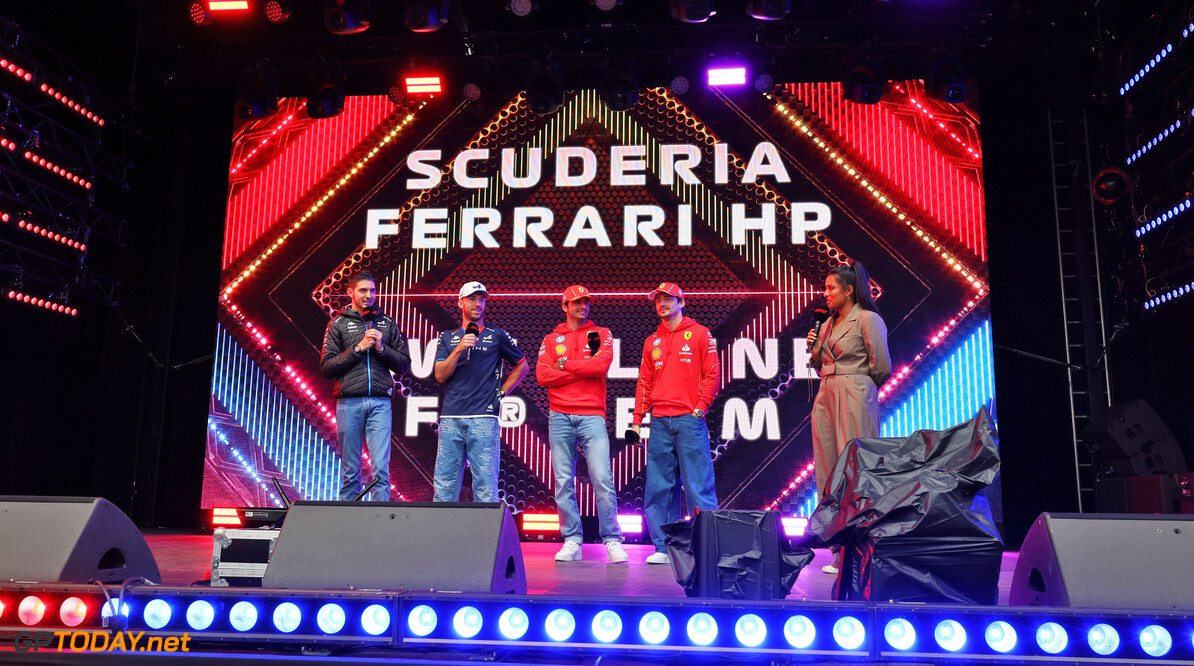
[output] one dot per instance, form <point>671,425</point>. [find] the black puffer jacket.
<point>366,374</point>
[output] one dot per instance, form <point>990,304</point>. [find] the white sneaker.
<point>658,558</point>
<point>570,552</point>
<point>830,569</point>
<point>616,552</point>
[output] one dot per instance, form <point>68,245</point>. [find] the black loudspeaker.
<point>398,546</point>
<point>1155,493</point>
<point>1106,561</point>
<point>71,540</point>
<point>1131,440</point>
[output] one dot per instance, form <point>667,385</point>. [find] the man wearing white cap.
<point>573,361</point>
<point>468,362</point>
<point>677,381</point>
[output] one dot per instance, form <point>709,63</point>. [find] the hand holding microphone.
<point>594,342</point>
<point>819,317</point>
<point>474,331</point>
<point>631,436</point>
<point>370,315</point>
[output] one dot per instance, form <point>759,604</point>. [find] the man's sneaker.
<point>616,552</point>
<point>830,569</point>
<point>569,553</point>
<point>658,558</point>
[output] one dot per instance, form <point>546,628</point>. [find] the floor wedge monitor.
<point>1091,560</point>
<point>398,546</point>
<point>71,540</point>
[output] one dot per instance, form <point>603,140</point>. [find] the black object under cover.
<point>735,555</point>
<point>909,519</point>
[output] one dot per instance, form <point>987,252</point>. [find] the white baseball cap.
<point>471,288</point>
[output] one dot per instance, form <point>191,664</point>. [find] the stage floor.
<point>186,558</point>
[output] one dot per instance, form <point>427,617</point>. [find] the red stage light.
<point>228,5</point>
<point>73,612</point>
<point>224,516</point>
<point>423,85</point>
<point>31,610</point>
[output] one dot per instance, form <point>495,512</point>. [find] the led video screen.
<point>746,200</point>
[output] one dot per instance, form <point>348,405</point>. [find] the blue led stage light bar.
<point>1176,292</point>
<point>744,631</point>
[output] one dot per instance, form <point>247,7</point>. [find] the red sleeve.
<point>646,381</point>
<point>546,372</point>
<point>710,374</point>
<point>597,365</point>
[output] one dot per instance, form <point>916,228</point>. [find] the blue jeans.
<point>563,432</point>
<point>368,419</point>
<point>678,447</point>
<point>477,439</point>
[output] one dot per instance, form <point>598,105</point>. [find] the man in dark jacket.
<point>361,348</point>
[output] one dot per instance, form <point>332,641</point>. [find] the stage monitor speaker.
<point>398,546</point>
<point>1130,439</point>
<point>1106,561</point>
<point>71,540</point>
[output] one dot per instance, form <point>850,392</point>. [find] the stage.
<point>186,558</point>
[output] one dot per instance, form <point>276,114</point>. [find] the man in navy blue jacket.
<point>363,350</point>
<point>468,361</point>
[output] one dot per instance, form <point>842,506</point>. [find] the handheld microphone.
<point>370,315</point>
<point>631,436</point>
<point>819,317</point>
<point>471,330</point>
<point>594,342</point>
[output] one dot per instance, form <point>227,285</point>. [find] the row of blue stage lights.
<point>587,625</point>
<point>1090,638</point>
<point>283,616</point>
<point>1151,64</point>
<point>1163,218</point>
<point>244,463</point>
<point>1152,143</point>
<point>1169,296</point>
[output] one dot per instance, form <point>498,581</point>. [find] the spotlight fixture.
<point>522,7</point>
<point>545,92</point>
<point>426,15</point>
<point>199,13</point>
<point>606,5</point>
<point>620,87</point>
<point>396,95</point>
<point>327,93</point>
<point>693,11</point>
<point>863,84</point>
<point>278,11</point>
<point>257,96</point>
<point>1110,185</point>
<point>680,84</point>
<point>946,81</point>
<point>768,10</point>
<point>346,17</point>
<point>764,82</point>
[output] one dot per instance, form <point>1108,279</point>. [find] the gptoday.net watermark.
<point>99,641</point>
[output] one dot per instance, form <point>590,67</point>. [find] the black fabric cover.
<point>735,555</point>
<point>909,519</point>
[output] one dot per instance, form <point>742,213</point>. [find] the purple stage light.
<point>727,76</point>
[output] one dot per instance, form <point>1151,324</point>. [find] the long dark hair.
<point>854,275</point>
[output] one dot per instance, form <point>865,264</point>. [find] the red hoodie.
<point>580,387</point>
<point>679,371</point>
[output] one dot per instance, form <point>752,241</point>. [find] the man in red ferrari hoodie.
<point>677,381</point>
<point>573,361</point>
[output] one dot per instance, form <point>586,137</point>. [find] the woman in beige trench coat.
<point>852,358</point>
